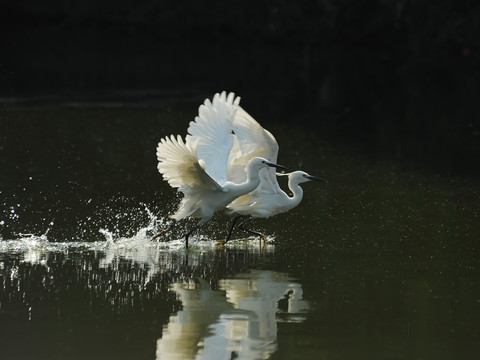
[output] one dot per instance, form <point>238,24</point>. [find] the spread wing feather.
<point>212,133</point>
<point>179,166</point>
<point>252,140</point>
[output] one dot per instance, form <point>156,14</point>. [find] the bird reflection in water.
<point>237,321</point>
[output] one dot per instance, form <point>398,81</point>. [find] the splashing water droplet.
<point>108,235</point>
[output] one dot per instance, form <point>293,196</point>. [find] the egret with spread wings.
<point>197,167</point>
<point>250,140</point>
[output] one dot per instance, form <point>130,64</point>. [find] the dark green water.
<point>380,263</point>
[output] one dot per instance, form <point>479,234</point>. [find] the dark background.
<point>397,78</point>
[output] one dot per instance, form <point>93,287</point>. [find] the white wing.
<point>178,164</point>
<point>251,140</point>
<point>212,133</point>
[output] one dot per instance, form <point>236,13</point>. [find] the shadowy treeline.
<point>398,76</point>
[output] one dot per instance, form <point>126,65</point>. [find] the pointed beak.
<point>283,168</point>
<point>314,178</point>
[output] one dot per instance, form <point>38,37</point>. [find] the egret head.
<point>299,177</point>
<point>258,163</point>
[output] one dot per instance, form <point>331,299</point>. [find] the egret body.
<point>269,202</point>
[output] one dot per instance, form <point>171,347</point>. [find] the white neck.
<point>297,193</point>
<point>252,182</point>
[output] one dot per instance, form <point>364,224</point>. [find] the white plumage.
<point>198,165</point>
<point>250,139</point>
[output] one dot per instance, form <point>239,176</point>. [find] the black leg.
<point>187,235</point>
<point>242,227</point>
<point>163,231</point>
<point>229,235</point>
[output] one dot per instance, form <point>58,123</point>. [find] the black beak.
<point>276,165</point>
<point>314,178</point>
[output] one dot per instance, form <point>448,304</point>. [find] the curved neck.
<point>297,193</point>
<point>252,182</point>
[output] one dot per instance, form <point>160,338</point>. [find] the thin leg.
<point>235,219</point>
<point>187,235</point>
<point>242,227</point>
<point>163,231</point>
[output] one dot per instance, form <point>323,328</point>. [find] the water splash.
<point>108,234</point>
<point>139,247</point>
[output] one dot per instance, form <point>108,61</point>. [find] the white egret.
<point>198,165</point>
<point>264,202</point>
<point>250,139</point>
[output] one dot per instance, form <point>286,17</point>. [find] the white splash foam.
<point>139,248</point>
